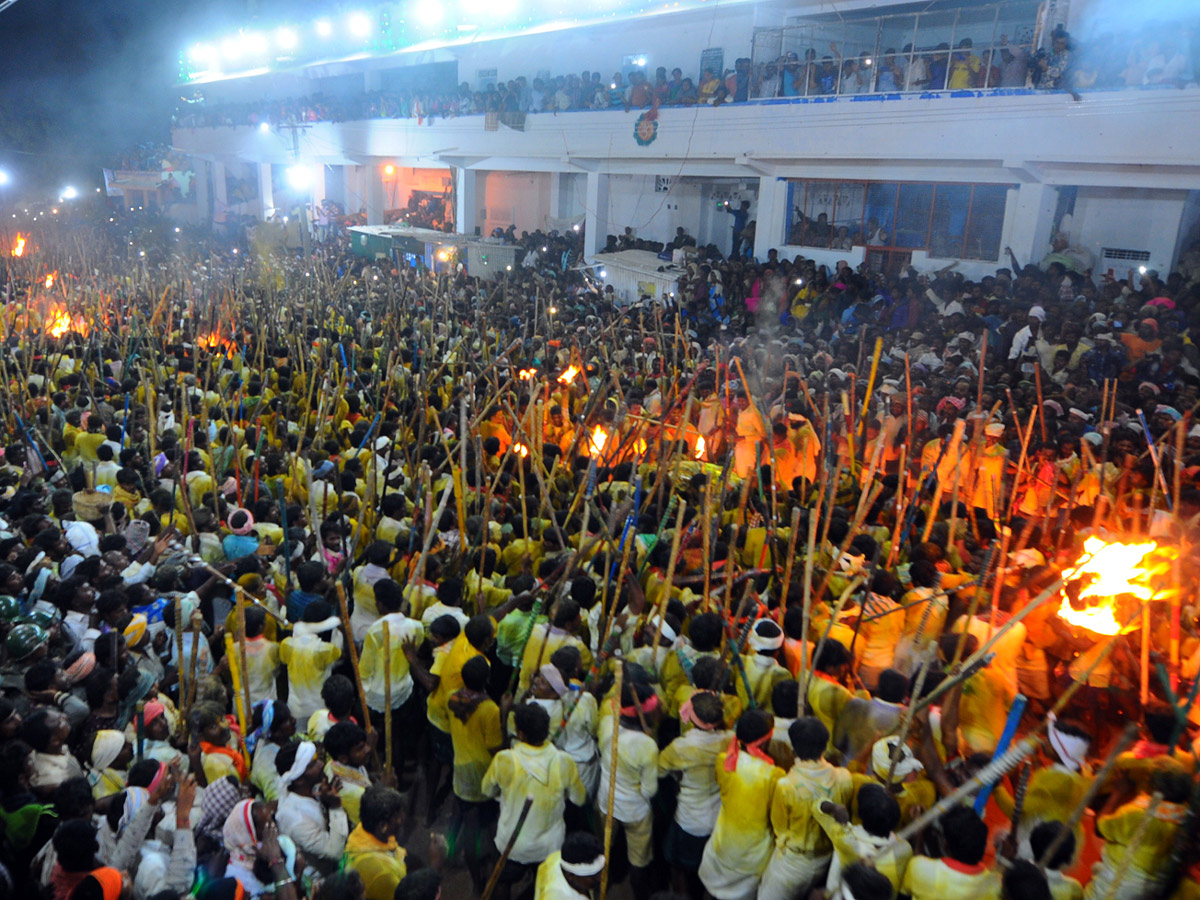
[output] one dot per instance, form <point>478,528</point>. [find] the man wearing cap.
<point>988,471</point>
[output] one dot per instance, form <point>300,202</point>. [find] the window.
<point>948,221</point>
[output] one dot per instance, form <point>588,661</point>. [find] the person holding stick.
<point>405,705</point>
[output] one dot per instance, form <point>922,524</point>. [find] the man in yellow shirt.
<point>545,638</point>
<point>879,816</point>
<point>802,849</point>
<point>741,842</point>
<point>827,695</point>
<point>406,706</point>
<point>960,874</point>
<point>572,873</point>
<point>532,769</point>
<point>371,848</point>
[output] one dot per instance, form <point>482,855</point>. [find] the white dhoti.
<point>791,874</point>
<point>1134,883</point>
<point>725,880</point>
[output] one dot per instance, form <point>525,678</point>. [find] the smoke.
<point>1121,19</point>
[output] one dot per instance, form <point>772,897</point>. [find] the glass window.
<point>973,34</point>
<point>848,216</point>
<point>985,221</point>
<point>880,213</point>
<point>895,51</point>
<point>935,33</point>
<point>912,215</point>
<point>949,222</point>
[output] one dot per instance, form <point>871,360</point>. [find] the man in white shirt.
<point>310,811</point>
<point>1024,344</point>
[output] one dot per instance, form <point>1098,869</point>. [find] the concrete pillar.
<point>220,194</point>
<point>320,171</point>
<point>1028,222</point>
<point>596,223</point>
<point>376,197</point>
<point>266,191</point>
<point>556,181</point>
<point>203,191</point>
<point>770,216</point>
<point>335,184</point>
<point>466,200</point>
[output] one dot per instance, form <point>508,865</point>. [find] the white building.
<point>951,174</point>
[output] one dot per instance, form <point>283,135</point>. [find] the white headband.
<point>1072,750</point>
<point>762,642</point>
<point>554,679</point>
<point>584,869</point>
<point>654,623</point>
<point>305,754</point>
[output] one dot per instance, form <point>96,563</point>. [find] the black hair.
<point>878,810</point>
<point>809,738</point>
<point>338,695</point>
<point>752,725</point>
<point>705,632</point>
<point>709,709</point>
<point>785,699</point>
<point>1044,835</point>
<point>343,737</point>
<point>76,846</point>
<point>892,687</point>
<point>475,673</point>
<point>867,883</point>
<point>379,805</point>
<point>73,799</point>
<point>40,676</point>
<point>13,757</point>
<point>388,595</point>
<point>581,847</point>
<point>833,655</point>
<point>966,835</point>
<point>533,722</point>
<point>286,757</point>
<point>1160,721</point>
<point>1023,880</point>
<point>423,884</point>
<point>479,631</point>
<point>37,730</point>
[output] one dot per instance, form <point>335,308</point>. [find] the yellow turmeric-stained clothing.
<point>1145,758</point>
<point>544,774</point>
<point>827,698</point>
<point>852,842</point>
<point>763,673</point>
<point>730,703</point>
<point>805,786</point>
<point>1052,794</point>
<point>920,793</point>
<point>983,709</point>
<point>677,672</point>
<point>381,865</point>
<point>1064,887</point>
<point>543,641</point>
<point>741,842</point>
<point>552,884</point>
<point>447,666</point>
<point>309,662</point>
<point>475,738</point>
<point>946,879</point>
<point>1150,858</point>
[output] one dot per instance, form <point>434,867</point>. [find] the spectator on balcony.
<point>770,80</point>
<point>563,89</point>
<point>889,75</point>
<point>688,95</point>
<point>709,83</point>
<point>616,91</point>
<point>917,76</point>
<point>788,74</point>
<point>964,66</point>
<point>939,64</point>
<point>640,94</point>
<point>599,96</point>
<point>855,79</point>
<point>989,75</point>
<point>675,86</point>
<point>1167,65</point>
<point>737,83</point>
<point>1053,68</point>
<point>1014,64</point>
<point>537,96</point>
<point>826,76</point>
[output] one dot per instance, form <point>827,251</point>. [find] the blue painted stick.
<point>1162,481</point>
<point>1010,731</point>
<point>125,422</point>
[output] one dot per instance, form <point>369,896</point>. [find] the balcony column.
<point>1029,222</point>
<point>466,203</point>
<point>203,193</point>
<point>596,222</point>
<point>770,215</point>
<point>266,191</point>
<point>220,194</point>
<point>376,198</point>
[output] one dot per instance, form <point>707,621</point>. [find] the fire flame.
<point>59,322</point>
<point>527,374</point>
<point>568,376</point>
<point>521,450</point>
<point>19,247</point>
<point>1108,571</point>
<point>49,282</point>
<point>700,447</point>
<point>640,446</point>
<point>598,440</point>
<point>214,341</point>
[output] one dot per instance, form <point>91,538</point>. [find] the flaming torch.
<point>527,374</point>
<point>700,447</point>
<point>521,450</point>
<point>18,248</point>
<point>568,376</point>
<point>49,282</point>
<point>1106,573</point>
<point>598,440</point>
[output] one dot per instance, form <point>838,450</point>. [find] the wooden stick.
<point>662,606</point>
<point>352,650</point>
<point>787,566</point>
<point>612,779</point>
<point>387,695</point>
<point>508,848</point>
<point>240,607</point>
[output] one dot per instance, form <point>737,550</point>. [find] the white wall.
<point>515,198</point>
<point>690,203</point>
<point>1129,219</point>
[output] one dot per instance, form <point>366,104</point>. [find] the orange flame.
<point>19,247</point>
<point>568,376</point>
<point>598,440</point>
<point>639,446</point>
<point>214,341</point>
<point>49,282</point>
<point>527,374</point>
<point>59,322</point>
<point>1109,571</point>
<point>521,450</point>
<point>700,447</point>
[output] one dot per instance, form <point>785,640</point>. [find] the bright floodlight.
<point>4,179</point>
<point>389,169</point>
<point>286,38</point>
<point>203,53</point>
<point>324,29</point>
<point>299,177</point>
<point>264,127</point>
<point>430,12</point>
<point>360,24</point>
<point>640,61</point>
<point>69,193</point>
<point>254,43</point>
<point>231,48</point>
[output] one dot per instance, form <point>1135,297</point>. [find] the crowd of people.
<point>737,596</point>
<point>1163,61</point>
